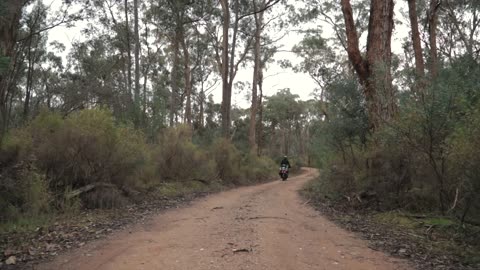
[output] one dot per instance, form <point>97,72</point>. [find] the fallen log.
<point>87,188</point>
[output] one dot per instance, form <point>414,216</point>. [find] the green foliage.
<point>87,147</point>
<point>345,126</point>
<point>228,160</point>
<point>424,160</point>
<point>444,235</point>
<point>53,157</point>
<point>463,148</point>
<point>84,148</point>
<point>393,218</point>
<point>286,125</point>
<point>323,188</point>
<point>179,159</point>
<point>347,116</point>
<point>282,108</point>
<point>24,192</point>
<point>4,63</point>
<point>259,168</point>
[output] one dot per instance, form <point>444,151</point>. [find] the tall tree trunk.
<point>129,59</point>
<point>260,113</point>
<point>188,80</point>
<point>28,88</point>
<point>145,78</point>
<point>201,114</point>
<point>174,78</point>
<point>256,72</point>
<point>201,99</point>
<point>432,31</point>
<point>379,55</point>
<point>417,46</point>
<point>10,20</point>
<point>137,64</point>
<point>468,38</point>
<point>226,89</point>
<point>374,71</point>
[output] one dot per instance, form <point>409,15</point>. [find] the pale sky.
<point>276,78</point>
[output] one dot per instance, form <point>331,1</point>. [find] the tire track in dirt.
<point>265,227</point>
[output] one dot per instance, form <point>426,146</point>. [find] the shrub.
<point>23,192</point>
<point>259,168</point>
<point>463,148</point>
<point>87,148</point>
<point>178,159</point>
<point>229,161</point>
<point>83,149</point>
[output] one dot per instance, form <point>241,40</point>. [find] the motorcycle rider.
<point>285,162</point>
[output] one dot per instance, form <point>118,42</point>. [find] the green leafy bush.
<point>464,147</point>
<point>23,192</point>
<point>229,161</point>
<point>86,148</point>
<point>88,160</point>
<point>178,159</point>
<point>259,169</point>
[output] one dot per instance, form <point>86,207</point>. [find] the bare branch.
<point>267,6</point>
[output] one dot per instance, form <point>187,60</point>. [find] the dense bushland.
<point>89,160</point>
<point>425,160</point>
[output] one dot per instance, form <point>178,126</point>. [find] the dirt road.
<point>262,227</point>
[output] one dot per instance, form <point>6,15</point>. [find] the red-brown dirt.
<point>260,227</point>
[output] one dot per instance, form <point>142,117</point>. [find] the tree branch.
<point>63,21</point>
<point>352,42</point>
<point>268,5</point>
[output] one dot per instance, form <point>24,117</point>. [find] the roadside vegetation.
<point>126,116</point>
<point>87,160</point>
<point>399,143</point>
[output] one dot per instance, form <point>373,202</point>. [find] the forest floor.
<point>428,241</point>
<point>267,226</point>
<point>41,241</point>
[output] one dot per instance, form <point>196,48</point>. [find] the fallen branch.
<point>87,188</point>
<point>241,250</point>
<point>454,202</point>
<point>203,181</point>
<point>251,218</point>
<point>358,198</point>
<point>430,227</point>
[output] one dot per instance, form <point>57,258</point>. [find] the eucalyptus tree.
<point>195,50</point>
<point>204,76</point>
<point>417,46</point>
<point>236,25</point>
<point>137,63</point>
<point>326,12</point>
<point>348,20</point>
<point>13,41</point>
<point>103,60</point>
<point>321,63</point>
<point>171,23</point>
<point>34,51</point>
<point>462,18</point>
<point>260,58</point>
<point>282,112</point>
<point>10,17</point>
<point>373,69</point>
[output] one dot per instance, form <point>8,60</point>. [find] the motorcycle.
<point>284,172</point>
